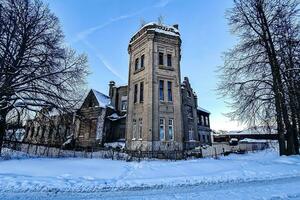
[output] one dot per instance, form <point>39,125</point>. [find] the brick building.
<point>154,112</point>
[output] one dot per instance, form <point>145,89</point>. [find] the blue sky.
<point>102,29</point>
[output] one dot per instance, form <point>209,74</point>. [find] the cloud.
<point>106,64</point>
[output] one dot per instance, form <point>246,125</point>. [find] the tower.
<point>154,116</point>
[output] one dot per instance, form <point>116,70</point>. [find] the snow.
<point>90,175</point>
<point>115,116</point>
<point>174,32</point>
<point>164,31</point>
<point>103,100</point>
<point>249,140</point>
<point>115,145</point>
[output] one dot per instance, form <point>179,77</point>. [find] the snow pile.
<point>249,140</point>
<point>89,175</point>
<point>8,154</point>
<point>115,145</point>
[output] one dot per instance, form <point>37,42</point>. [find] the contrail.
<point>84,34</point>
<point>104,61</point>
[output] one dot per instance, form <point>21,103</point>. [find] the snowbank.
<point>89,175</point>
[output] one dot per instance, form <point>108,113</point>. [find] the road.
<point>283,188</point>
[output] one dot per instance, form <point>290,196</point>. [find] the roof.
<point>103,100</point>
<point>159,28</point>
<point>115,117</point>
<point>203,110</point>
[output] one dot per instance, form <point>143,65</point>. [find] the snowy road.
<point>283,188</point>
<point>260,175</point>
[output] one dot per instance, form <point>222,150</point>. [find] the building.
<point>155,111</point>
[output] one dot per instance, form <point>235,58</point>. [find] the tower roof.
<point>158,28</point>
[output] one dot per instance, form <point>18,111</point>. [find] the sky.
<point>102,29</point>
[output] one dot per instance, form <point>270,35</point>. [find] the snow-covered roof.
<point>103,100</point>
<point>203,110</point>
<point>159,28</point>
<point>115,116</point>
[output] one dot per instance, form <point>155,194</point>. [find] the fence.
<point>118,154</point>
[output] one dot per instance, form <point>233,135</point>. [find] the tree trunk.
<point>2,128</point>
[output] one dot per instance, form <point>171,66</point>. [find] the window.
<point>51,131</point>
<point>206,121</point>
<point>161,90</point>
<point>191,133</point>
<point>136,66</point>
<point>171,129</point>
<point>190,112</point>
<point>124,105</point>
<point>134,129</point>
<point>170,91</point>
<point>142,61</point>
<point>37,131</point>
<point>135,92</point>
<point>203,138</point>
<point>161,58</point>
<point>169,60</point>
<point>43,131</point>
<point>202,120</point>
<point>32,131</point>
<point>162,129</point>
<point>189,94</point>
<point>140,127</point>
<point>141,92</point>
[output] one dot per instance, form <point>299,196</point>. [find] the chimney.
<point>111,88</point>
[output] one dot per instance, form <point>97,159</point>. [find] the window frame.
<point>136,64</point>
<point>171,136</point>
<point>161,90</point>
<point>141,92</point>
<point>191,134</point>
<point>135,98</point>
<point>160,58</point>
<point>169,60</point>
<point>162,131</point>
<point>170,92</point>
<point>134,129</point>
<point>140,131</point>
<point>142,65</point>
<point>123,105</point>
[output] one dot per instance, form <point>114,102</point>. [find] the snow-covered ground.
<point>256,175</point>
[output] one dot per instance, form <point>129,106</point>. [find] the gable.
<point>96,99</point>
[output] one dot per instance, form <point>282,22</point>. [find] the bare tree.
<point>36,68</point>
<point>257,73</point>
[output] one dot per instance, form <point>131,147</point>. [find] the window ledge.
<point>133,139</point>
<point>166,67</point>
<point>140,139</point>
<point>138,70</point>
